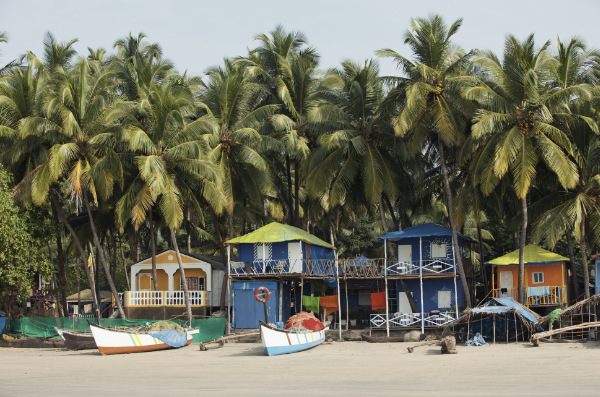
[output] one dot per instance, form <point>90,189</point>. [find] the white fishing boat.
<point>280,341</point>
<point>111,341</point>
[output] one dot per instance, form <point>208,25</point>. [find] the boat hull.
<point>119,342</point>
<point>276,341</point>
<point>77,340</point>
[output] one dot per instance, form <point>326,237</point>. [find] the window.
<point>538,277</point>
<point>193,284</point>
<point>444,299</point>
<point>438,250</point>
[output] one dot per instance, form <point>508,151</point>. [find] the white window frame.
<point>439,248</point>
<point>203,282</point>
<point>533,278</point>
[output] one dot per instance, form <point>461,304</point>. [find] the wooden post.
<point>421,282</point>
<point>337,278</point>
<point>301,292</point>
<point>347,303</point>
<point>516,329</point>
<point>280,300</point>
<point>468,327</point>
<point>494,328</point>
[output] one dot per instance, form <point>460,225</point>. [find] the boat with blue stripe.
<point>280,341</point>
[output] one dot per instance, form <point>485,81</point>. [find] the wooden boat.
<point>112,341</point>
<point>76,340</point>
<point>280,341</point>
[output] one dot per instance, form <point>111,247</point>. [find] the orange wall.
<point>553,274</point>
<point>163,280</point>
<point>188,273</point>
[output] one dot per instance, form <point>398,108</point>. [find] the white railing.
<point>323,267</point>
<point>164,298</point>
<point>430,266</point>
<point>412,319</point>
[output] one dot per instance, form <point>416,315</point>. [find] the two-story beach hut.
<point>274,256</point>
<point>423,268</point>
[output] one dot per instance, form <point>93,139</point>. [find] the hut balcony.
<point>552,295</point>
<point>162,298</point>
<point>432,319</point>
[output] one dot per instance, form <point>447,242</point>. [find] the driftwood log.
<point>449,345</point>
<point>535,339</point>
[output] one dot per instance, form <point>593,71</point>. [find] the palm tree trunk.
<point>84,257</point>
<point>297,194</point>
<point>481,260</point>
<point>188,306</point>
<point>223,251</point>
<point>457,254</point>
<point>153,248</point>
<point>289,182</point>
<point>522,251</point>
<point>382,213</point>
<point>100,251</point>
<point>396,221</point>
<point>584,262</point>
<point>62,274</point>
<point>189,233</point>
<point>572,265</point>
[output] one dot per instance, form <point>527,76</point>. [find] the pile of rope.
<point>166,326</point>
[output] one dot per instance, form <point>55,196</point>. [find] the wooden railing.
<point>164,298</point>
<point>536,296</point>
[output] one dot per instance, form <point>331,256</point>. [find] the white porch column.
<point>421,282</point>
<point>171,284</point>
<point>134,286</point>
<point>387,314</point>
<point>455,289</point>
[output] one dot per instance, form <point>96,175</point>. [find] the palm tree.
<point>287,70</point>
<point>354,158</point>
<point>86,134</point>
<point>173,167</point>
<point>516,125</point>
<point>231,124</point>
<point>432,109</point>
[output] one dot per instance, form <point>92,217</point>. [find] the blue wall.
<point>430,292</point>
<point>426,243</point>
<point>247,311</point>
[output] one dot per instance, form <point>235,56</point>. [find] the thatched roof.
<point>503,307</point>
<point>594,299</point>
<point>86,295</point>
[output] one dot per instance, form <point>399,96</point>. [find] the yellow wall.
<point>553,275</point>
<point>145,283</point>
<point>188,273</point>
<point>164,258</point>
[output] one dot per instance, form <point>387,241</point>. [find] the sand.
<point>347,368</point>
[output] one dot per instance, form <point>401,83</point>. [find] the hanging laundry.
<point>329,304</point>
<point>311,303</point>
<point>378,300</point>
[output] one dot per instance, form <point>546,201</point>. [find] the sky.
<point>196,35</point>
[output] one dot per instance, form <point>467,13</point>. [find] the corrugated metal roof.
<point>424,230</point>
<point>502,305</point>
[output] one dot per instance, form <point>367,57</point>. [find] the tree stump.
<point>449,345</point>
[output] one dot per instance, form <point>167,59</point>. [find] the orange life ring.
<point>265,297</point>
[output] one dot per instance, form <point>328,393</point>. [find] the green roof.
<point>533,254</point>
<point>277,232</point>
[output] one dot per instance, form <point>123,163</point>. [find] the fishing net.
<point>304,321</point>
<point>166,326</point>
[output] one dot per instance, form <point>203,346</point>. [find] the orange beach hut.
<point>544,279</point>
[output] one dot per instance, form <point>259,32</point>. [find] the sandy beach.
<point>348,368</point>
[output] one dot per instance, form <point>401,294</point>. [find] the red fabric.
<point>378,300</point>
<point>329,304</point>
<point>304,320</point>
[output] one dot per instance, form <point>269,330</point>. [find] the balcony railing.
<point>164,298</point>
<point>356,268</point>
<point>412,319</point>
<point>536,296</point>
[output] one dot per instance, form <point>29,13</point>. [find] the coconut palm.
<point>287,70</point>
<point>517,124</point>
<point>231,124</point>
<point>433,112</point>
<point>353,160</point>
<point>173,168</point>
<point>86,135</point>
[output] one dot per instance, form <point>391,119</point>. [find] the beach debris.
<point>304,321</point>
<point>449,345</point>
<point>535,338</point>
<point>476,340</point>
<point>413,336</point>
<point>7,338</point>
<point>221,341</point>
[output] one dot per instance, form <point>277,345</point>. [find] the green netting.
<point>43,327</point>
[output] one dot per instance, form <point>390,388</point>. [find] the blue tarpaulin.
<point>424,230</point>
<point>502,305</point>
<point>172,338</point>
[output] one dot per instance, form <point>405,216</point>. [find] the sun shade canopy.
<point>533,254</point>
<point>277,232</point>
<point>424,230</point>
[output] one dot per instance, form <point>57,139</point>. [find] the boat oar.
<point>221,341</point>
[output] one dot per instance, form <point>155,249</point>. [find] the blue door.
<point>248,311</point>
